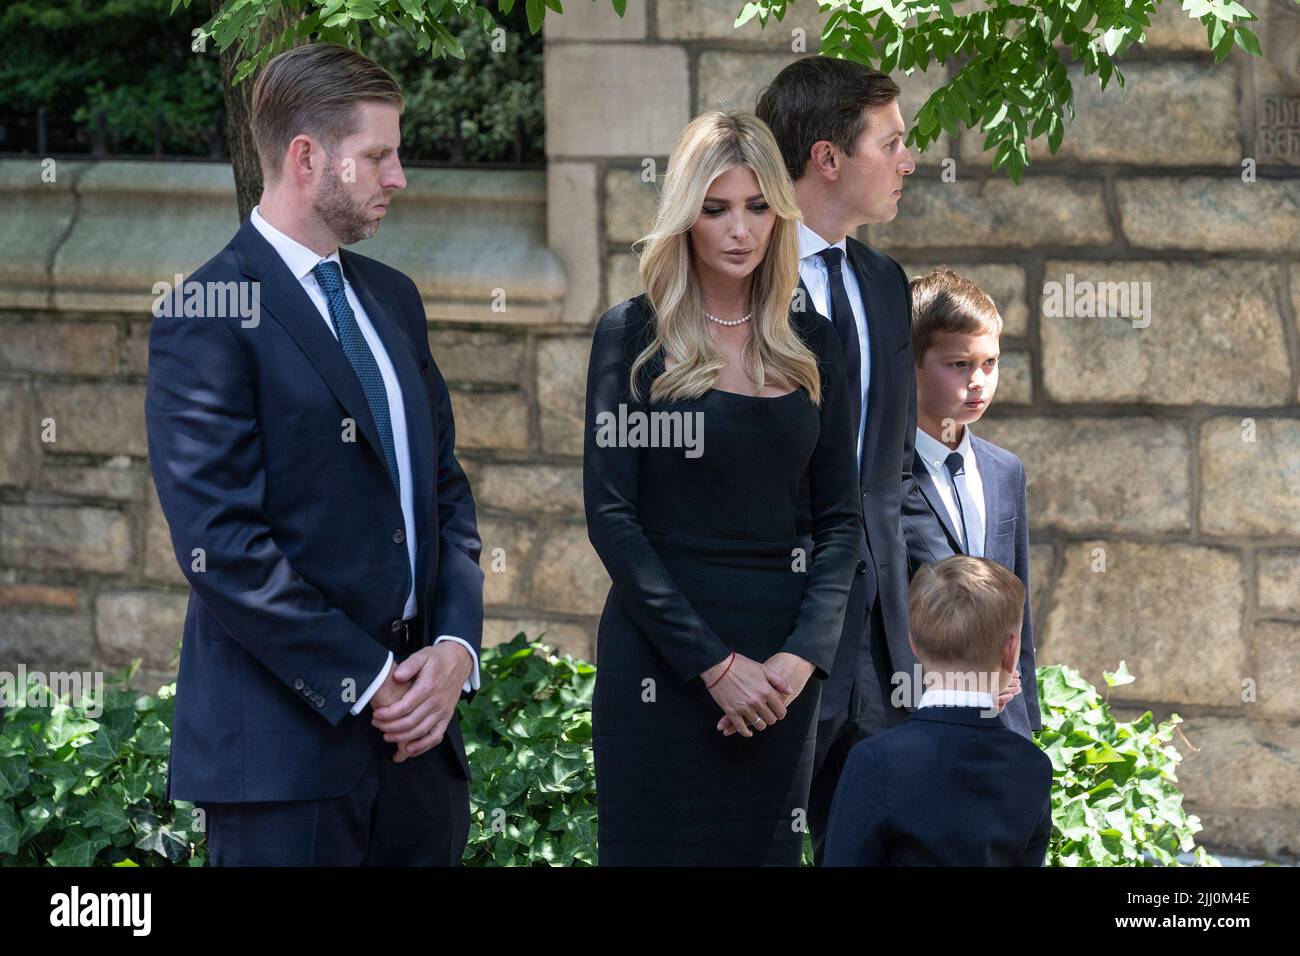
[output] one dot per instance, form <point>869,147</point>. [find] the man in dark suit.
<point>968,494</point>
<point>952,785</point>
<point>841,134</point>
<point>303,452</point>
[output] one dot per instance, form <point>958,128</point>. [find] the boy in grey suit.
<point>967,494</point>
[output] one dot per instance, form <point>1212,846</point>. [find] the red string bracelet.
<point>724,671</point>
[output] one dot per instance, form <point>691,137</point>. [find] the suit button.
<point>395,626</point>
<point>320,701</point>
<point>399,536</point>
<point>297,684</point>
<point>862,566</point>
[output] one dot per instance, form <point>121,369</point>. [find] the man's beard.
<point>345,216</point>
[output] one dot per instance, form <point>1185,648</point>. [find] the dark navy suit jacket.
<point>301,572</point>
<point>947,787</point>
<point>931,536</point>
<point>863,658</point>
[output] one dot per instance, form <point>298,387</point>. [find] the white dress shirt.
<point>941,697</point>
<point>969,484</point>
<point>815,275</point>
<point>301,261</point>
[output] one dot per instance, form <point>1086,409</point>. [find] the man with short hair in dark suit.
<point>303,452</point>
<point>952,785</point>
<point>842,137</point>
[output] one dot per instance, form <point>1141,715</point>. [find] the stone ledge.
<point>96,240</point>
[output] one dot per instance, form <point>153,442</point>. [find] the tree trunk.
<point>239,113</point>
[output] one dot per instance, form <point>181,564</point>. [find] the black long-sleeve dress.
<point>703,554</point>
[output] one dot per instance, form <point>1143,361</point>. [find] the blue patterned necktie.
<point>362,360</point>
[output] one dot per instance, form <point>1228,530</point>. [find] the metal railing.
<point>98,138</point>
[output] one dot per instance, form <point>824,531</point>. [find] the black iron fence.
<point>42,134</point>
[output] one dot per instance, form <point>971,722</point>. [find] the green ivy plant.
<point>83,791</point>
<point>528,737</point>
<point>77,791</point>
<point>1115,796</point>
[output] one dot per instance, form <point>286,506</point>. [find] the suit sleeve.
<point>610,479</point>
<point>908,483</point>
<point>836,510</point>
<point>205,454</point>
<point>856,827</point>
<point>1028,668</point>
<point>909,431</point>
<point>1036,848</point>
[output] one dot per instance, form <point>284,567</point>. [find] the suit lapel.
<point>284,299</point>
<point>923,481</point>
<point>874,304</point>
<point>415,399</point>
<point>809,306</point>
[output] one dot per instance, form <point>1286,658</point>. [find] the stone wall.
<point>87,574</point>
<point>1169,454</point>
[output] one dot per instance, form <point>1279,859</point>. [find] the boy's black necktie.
<point>956,465</point>
<point>847,329</point>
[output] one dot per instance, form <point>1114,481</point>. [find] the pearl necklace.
<point>714,318</point>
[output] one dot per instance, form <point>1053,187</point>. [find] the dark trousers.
<point>413,813</point>
<point>868,713</point>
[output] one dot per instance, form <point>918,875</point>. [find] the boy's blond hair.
<point>943,301</point>
<point>961,612</point>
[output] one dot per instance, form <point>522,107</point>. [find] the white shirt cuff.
<point>374,685</point>
<point>473,683</point>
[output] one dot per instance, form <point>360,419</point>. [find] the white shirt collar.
<point>934,452</point>
<point>296,256</point>
<point>810,243</point>
<point>939,697</point>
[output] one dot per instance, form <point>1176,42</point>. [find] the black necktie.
<point>847,329</point>
<point>956,465</point>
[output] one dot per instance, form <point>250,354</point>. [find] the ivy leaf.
<point>1119,677</point>
<point>78,848</point>
<point>8,829</point>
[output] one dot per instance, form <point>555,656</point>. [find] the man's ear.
<point>823,160</point>
<point>305,158</point>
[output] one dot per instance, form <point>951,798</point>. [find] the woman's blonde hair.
<point>711,144</point>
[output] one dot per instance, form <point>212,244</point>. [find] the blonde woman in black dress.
<point>719,617</point>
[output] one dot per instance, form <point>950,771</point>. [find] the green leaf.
<point>166,843</point>
<point>1247,41</point>
<point>152,740</point>
<point>536,11</point>
<point>78,848</point>
<point>8,829</point>
<point>65,726</point>
<point>1119,677</point>
<point>35,817</point>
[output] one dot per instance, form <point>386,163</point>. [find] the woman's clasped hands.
<point>754,695</point>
